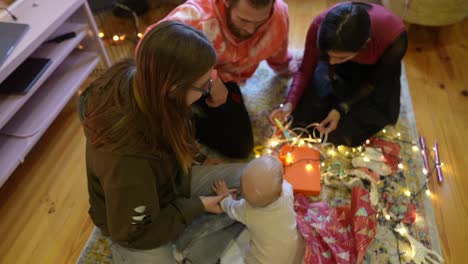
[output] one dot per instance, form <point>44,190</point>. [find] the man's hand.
<point>330,123</point>
<point>281,113</point>
<point>219,94</point>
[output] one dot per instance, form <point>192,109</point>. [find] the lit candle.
<point>440,177</point>
<point>422,143</point>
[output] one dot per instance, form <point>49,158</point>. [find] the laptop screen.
<point>10,34</point>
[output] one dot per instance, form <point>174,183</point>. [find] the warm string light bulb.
<point>398,134</point>
<point>415,148</point>
<point>407,193</point>
<point>400,166</point>
<point>308,166</point>
<point>289,158</point>
<point>274,143</point>
<point>384,131</point>
<point>101,34</point>
<point>115,38</point>
<point>428,193</point>
<point>402,231</point>
<point>139,35</point>
<point>366,159</point>
<point>425,172</point>
<point>257,155</point>
<point>323,164</point>
<point>368,142</point>
<point>387,216</point>
<point>269,151</point>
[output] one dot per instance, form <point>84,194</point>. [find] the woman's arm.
<point>136,215</point>
<point>306,70</point>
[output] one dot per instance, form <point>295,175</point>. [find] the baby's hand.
<point>220,188</point>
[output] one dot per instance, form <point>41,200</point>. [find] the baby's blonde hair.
<point>262,181</point>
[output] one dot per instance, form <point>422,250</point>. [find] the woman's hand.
<point>213,161</point>
<point>330,123</point>
<point>211,203</point>
<point>219,94</point>
<point>281,113</point>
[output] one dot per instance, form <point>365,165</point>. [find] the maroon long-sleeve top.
<point>386,27</point>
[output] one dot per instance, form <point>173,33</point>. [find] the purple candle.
<point>422,142</point>
<point>438,165</point>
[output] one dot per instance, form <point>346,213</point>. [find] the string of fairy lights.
<point>301,137</point>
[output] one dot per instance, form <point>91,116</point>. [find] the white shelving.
<point>9,104</point>
<point>25,118</point>
<point>43,107</point>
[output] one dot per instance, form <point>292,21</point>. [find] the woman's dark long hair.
<point>346,27</point>
<point>139,106</point>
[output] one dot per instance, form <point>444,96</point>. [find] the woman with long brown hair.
<point>145,195</point>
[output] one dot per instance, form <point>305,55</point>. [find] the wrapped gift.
<point>302,169</point>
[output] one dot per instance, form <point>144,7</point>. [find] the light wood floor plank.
<point>43,206</point>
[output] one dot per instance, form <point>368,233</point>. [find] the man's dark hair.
<point>346,27</point>
<point>254,3</point>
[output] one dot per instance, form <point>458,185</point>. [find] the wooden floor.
<point>43,206</point>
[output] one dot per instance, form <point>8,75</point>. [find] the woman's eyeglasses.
<point>207,91</point>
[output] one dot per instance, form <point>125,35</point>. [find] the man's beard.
<point>234,30</point>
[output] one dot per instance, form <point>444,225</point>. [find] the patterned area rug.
<point>262,93</point>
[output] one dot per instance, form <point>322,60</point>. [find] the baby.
<point>267,210</point>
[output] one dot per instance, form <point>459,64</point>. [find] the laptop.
<point>10,35</point>
<point>23,78</point>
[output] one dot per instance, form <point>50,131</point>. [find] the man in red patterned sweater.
<point>243,32</point>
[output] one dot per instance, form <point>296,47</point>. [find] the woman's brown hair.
<point>139,106</point>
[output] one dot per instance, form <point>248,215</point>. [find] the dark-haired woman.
<point>144,192</point>
<point>349,80</point>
